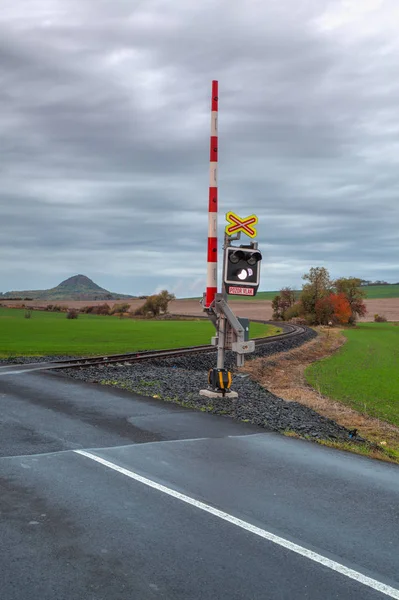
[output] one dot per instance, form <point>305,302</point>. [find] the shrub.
<point>101,309</point>
<point>151,306</point>
<point>380,319</point>
<point>293,311</point>
<point>72,314</point>
<point>155,304</point>
<point>277,311</point>
<point>310,318</point>
<point>120,308</point>
<point>53,308</point>
<point>86,309</point>
<point>282,303</point>
<point>163,299</point>
<point>298,321</point>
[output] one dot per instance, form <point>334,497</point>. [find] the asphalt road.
<point>108,496</point>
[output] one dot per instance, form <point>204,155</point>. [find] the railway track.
<point>290,331</point>
<point>134,357</point>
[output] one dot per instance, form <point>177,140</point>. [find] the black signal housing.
<point>242,271</point>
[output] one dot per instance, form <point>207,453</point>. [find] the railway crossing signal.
<point>242,270</point>
<point>241,225</point>
<point>241,274</point>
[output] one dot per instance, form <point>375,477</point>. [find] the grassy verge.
<point>363,449</point>
<point>47,333</point>
<point>284,375</point>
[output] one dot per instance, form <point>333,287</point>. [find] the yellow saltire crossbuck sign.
<point>237,224</point>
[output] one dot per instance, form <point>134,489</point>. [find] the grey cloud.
<point>104,122</point>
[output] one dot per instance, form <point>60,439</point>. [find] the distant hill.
<point>78,287</point>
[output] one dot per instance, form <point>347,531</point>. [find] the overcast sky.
<point>104,138</point>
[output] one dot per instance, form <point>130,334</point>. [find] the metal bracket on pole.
<point>223,308</point>
<point>210,313</point>
<point>240,345</point>
<point>232,238</point>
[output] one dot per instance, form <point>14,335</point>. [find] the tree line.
<point>154,306</point>
<point>322,301</point>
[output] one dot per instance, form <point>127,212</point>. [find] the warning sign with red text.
<point>240,291</point>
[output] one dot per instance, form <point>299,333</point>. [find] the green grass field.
<point>259,296</point>
<point>364,373</point>
<point>382,291</point>
<point>47,333</point>
<point>372,291</point>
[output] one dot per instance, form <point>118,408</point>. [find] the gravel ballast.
<point>180,379</point>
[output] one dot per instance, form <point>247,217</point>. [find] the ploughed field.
<point>254,308</point>
<point>48,333</point>
<point>262,309</point>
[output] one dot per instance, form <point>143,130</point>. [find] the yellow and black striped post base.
<point>219,380</point>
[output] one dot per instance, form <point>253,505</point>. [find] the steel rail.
<point>290,331</point>
<point>134,357</point>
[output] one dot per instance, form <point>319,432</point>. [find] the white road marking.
<point>18,371</point>
<point>267,535</point>
<point>45,367</point>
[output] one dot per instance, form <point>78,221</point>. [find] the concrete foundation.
<point>212,394</point>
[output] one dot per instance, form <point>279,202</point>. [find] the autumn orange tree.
<point>350,287</point>
<point>334,309</point>
<point>322,300</point>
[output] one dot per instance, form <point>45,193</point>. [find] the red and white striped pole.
<point>212,266</point>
